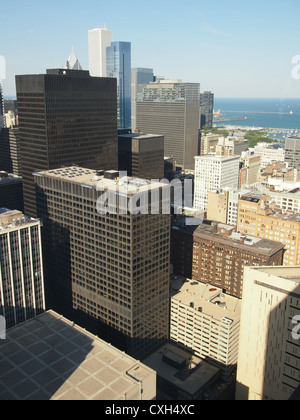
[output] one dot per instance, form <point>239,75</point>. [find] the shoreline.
<point>282,133</point>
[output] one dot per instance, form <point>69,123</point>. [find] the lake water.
<point>282,115</point>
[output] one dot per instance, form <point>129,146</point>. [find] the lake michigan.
<point>280,114</point>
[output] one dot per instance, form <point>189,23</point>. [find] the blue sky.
<point>234,48</point>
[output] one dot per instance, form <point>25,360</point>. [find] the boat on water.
<point>291,113</point>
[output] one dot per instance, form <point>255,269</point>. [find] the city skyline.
<point>231,50</point>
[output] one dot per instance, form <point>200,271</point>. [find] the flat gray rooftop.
<point>50,358</point>
<point>202,374</point>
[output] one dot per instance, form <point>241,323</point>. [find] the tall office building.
<point>65,117</point>
<point>11,191</point>
<point>171,108</point>
<point>99,40</point>
<point>292,151</point>
<point>21,267</point>
<point>139,78</point>
<point>142,155</point>
<point>107,272</point>
<point>118,65</point>
<point>269,356</point>
<point>213,173</point>
<point>207,109</point>
<point>2,125</point>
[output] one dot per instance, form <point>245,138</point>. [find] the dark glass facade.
<point>142,155</point>
<point>10,154</point>
<point>65,117</point>
<point>207,109</point>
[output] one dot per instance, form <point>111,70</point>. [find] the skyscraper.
<point>139,78</point>
<point>269,358</point>
<point>214,173</point>
<point>73,62</point>
<point>65,117</point>
<point>21,267</point>
<point>207,109</point>
<point>11,191</point>
<point>99,40</point>
<point>10,155</point>
<point>142,155</point>
<point>107,272</point>
<point>171,108</point>
<point>1,109</point>
<point>118,65</point>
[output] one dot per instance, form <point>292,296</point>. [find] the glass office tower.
<point>65,117</point>
<point>207,109</point>
<point>118,65</point>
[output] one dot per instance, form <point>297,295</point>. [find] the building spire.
<point>73,62</point>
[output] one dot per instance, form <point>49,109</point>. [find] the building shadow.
<point>273,371</point>
<point>56,259</point>
<point>39,356</point>
<point>224,388</point>
<point>282,355</point>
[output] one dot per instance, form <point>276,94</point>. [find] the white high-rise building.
<point>99,40</point>
<point>2,121</point>
<point>22,293</point>
<point>213,173</point>
<point>206,321</point>
<point>269,343</point>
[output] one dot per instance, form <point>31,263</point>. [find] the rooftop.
<point>97,179</point>
<point>217,158</point>
<point>201,374</point>
<point>12,219</point>
<point>287,273</point>
<point>271,211</point>
<point>50,358</point>
<point>140,136</point>
<point>212,301</point>
<point>238,240</point>
<point>6,178</point>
